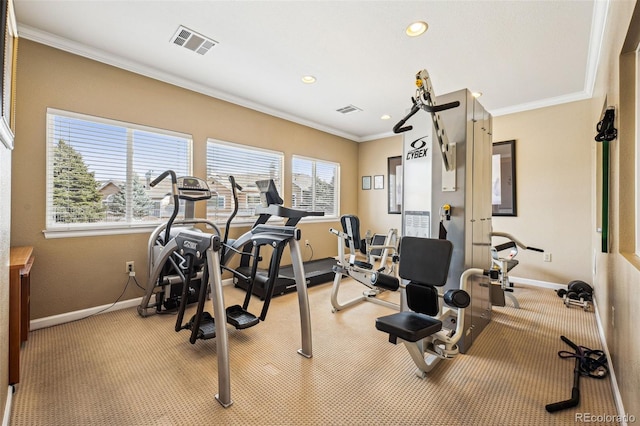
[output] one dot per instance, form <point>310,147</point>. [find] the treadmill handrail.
<point>286,212</point>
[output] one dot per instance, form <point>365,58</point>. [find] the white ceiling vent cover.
<point>349,109</point>
<point>193,41</point>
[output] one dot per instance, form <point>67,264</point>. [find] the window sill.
<point>147,229</point>
<point>97,232</point>
<point>633,259</point>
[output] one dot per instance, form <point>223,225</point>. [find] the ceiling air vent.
<point>193,41</point>
<point>348,109</point>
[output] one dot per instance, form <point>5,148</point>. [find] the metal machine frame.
<point>365,272</point>
<point>207,248</point>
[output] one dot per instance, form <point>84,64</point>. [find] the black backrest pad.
<point>425,260</point>
<point>422,299</point>
<point>351,227</point>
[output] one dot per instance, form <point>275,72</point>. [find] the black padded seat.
<point>425,262</point>
<point>409,326</point>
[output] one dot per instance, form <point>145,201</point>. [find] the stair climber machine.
<point>193,253</point>
<point>446,196</point>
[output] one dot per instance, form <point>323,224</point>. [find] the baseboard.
<point>622,414</point>
<point>84,313</point>
<point>6,417</point>
<point>536,283</point>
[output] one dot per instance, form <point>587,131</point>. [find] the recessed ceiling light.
<point>476,94</point>
<point>417,28</point>
<point>385,117</point>
<point>308,79</point>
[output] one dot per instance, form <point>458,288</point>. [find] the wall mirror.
<point>503,179</point>
<point>394,186</point>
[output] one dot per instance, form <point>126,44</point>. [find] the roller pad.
<point>457,298</point>
<point>387,282</point>
<point>409,326</point>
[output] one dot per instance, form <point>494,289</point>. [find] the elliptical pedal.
<point>240,318</point>
<point>207,328</point>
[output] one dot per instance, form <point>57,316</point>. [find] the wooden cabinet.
<point>20,263</point>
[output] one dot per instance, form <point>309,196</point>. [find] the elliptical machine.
<point>200,249</point>
<point>177,258</point>
<point>168,274</point>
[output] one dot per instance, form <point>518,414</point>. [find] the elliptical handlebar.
<point>174,179</point>
<point>235,187</point>
<point>176,199</point>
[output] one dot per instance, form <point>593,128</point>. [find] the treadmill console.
<point>191,188</point>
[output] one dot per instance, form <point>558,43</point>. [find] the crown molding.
<point>98,55</point>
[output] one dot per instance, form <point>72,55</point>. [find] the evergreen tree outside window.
<point>99,170</point>
<point>75,190</point>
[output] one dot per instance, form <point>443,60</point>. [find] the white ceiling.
<point>519,54</point>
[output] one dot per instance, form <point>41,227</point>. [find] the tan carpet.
<point>120,369</point>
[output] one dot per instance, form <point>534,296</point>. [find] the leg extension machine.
<point>377,280</point>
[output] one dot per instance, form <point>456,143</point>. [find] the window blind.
<point>99,170</point>
<point>247,165</point>
<point>315,185</point>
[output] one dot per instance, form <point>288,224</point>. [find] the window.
<point>99,170</point>
<point>247,165</point>
<point>315,185</point>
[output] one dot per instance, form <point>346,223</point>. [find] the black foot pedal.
<point>239,318</point>
<point>207,329</point>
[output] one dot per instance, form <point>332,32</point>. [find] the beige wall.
<point>553,178</point>
<point>76,273</point>
<point>372,204</point>
<point>553,182</point>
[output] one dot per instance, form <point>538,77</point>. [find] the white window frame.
<point>637,142</point>
<point>326,217</point>
<point>64,230</point>
<point>241,220</point>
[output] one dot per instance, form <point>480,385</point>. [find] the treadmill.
<point>316,271</point>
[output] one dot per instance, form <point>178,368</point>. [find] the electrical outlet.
<point>546,257</point>
<point>130,267</point>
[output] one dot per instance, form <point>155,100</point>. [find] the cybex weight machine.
<point>446,202</point>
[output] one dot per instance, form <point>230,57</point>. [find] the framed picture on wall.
<point>366,182</point>
<point>394,185</point>
<point>378,182</point>
<point>503,179</point>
